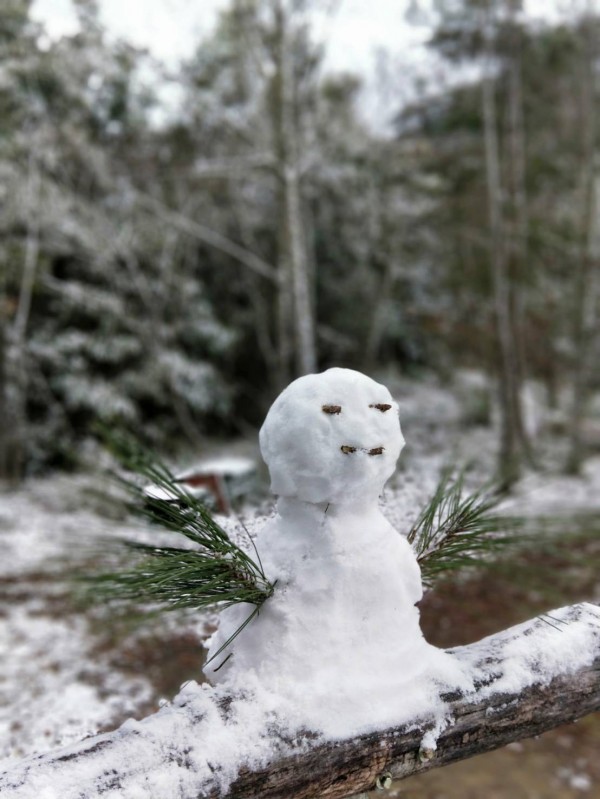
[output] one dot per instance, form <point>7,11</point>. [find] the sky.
<point>168,28</point>
<point>171,28</point>
<point>359,34</point>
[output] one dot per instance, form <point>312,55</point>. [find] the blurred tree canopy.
<point>174,271</point>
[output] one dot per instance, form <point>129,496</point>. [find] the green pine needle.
<point>454,530</point>
<point>214,572</point>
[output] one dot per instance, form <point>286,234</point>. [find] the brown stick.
<point>308,768</point>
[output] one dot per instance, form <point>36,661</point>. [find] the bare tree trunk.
<point>512,428</point>
<point>380,314</point>
<point>284,309</point>
<point>295,291</point>
<point>259,299</point>
<point>304,328</point>
<point>5,425</point>
<point>509,459</point>
<point>383,247</point>
<point>17,364</point>
<point>584,310</point>
<point>585,330</point>
<point>520,247</point>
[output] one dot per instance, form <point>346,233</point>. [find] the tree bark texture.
<point>4,427</point>
<point>513,443</point>
<point>15,367</point>
<point>296,314</point>
<point>586,274</point>
<point>306,767</point>
<point>518,254</point>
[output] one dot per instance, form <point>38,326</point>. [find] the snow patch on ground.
<point>55,687</point>
<point>52,692</point>
<point>562,495</point>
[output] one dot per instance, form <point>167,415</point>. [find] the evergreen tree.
<point>105,317</point>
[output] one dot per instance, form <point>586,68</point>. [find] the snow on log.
<point>210,745</point>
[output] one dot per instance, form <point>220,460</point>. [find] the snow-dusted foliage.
<point>105,315</point>
<point>259,229</point>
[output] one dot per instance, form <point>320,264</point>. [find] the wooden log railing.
<point>530,678</point>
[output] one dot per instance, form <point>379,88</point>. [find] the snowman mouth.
<point>349,450</point>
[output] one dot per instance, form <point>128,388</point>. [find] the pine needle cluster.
<point>213,571</point>
<point>455,529</point>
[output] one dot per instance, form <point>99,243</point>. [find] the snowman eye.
<point>332,409</point>
<point>381,407</point>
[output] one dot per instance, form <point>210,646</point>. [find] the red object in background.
<point>221,479</point>
<point>214,483</point>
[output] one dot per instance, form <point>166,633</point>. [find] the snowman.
<point>340,636</point>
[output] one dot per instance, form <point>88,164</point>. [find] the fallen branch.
<point>209,236</point>
<point>530,678</point>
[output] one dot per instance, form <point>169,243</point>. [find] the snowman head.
<point>332,437</point>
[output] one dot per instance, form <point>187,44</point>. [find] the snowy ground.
<point>66,673</point>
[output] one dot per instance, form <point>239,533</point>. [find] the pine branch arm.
<point>560,685</point>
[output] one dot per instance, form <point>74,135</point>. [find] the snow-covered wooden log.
<point>207,745</point>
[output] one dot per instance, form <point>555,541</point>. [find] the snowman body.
<point>342,620</point>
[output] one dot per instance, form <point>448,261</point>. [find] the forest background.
<point>173,271</point>
<point>180,239</point>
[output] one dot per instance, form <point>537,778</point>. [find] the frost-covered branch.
<point>208,236</point>
<point>234,166</point>
<point>210,745</point>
